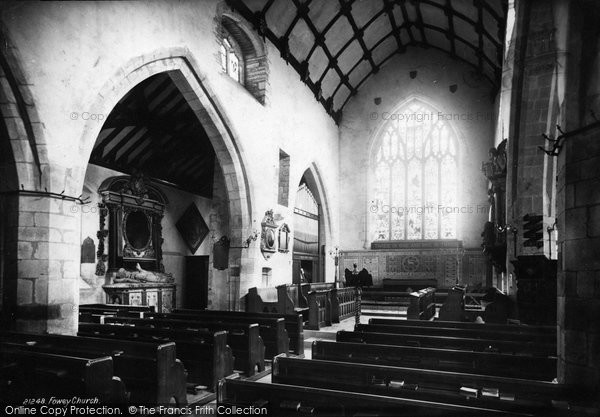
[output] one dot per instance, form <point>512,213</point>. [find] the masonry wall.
<point>579,260</point>
<point>472,101</point>
<point>66,72</point>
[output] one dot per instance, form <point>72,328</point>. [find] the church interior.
<point>300,207</point>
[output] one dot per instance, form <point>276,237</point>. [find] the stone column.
<point>47,265</point>
<point>579,261</point>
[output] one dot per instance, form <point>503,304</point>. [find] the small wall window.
<point>266,277</point>
<point>242,53</point>
<point>231,58</point>
<point>284,178</point>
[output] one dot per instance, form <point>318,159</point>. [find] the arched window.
<point>414,177</point>
<point>231,57</point>
<point>242,53</point>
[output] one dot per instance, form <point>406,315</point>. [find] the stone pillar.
<point>47,265</point>
<point>579,260</point>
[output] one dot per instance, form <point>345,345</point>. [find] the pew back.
<point>455,332</point>
<point>293,323</point>
<point>288,400</point>
<point>485,363</point>
<point>244,339</point>
<point>453,343</point>
<point>427,385</point>
<point>271,329</point>
<point>205,354</point>
<point>30,374</point>
<point>150,371</point>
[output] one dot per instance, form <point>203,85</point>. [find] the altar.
<point>159,295</point>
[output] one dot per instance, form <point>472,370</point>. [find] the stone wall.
<point>434,73</point>
<point>579,260</point>
<point>69,75</point>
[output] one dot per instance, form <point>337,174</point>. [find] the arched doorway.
<point>309,233</point>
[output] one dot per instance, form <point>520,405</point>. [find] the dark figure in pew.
<point>498,306</point>
<point>358,279</point>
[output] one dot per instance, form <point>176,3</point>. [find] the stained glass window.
<point>414,177</point>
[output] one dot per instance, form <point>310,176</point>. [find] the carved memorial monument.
<point>135,208</point>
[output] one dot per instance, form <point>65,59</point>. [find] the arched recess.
<point>256,65</point>
<point>184,71</point>
<point>312,261</point>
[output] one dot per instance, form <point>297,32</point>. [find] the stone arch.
<point>316,185</point>
<point>22,125</point>
<point>402,104</point>
<point>184,71</point>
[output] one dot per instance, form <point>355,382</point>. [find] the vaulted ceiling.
<point>153,130</point>
<point>336,45</point>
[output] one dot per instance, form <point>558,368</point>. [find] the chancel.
<point>300,207</point>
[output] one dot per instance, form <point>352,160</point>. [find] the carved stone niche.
<point>494,237</point>
<point>135,208</point>
<point>268,236</point>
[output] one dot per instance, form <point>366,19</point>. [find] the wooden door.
<point>195,288</point>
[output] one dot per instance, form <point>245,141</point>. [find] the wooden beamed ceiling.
<point>153,130</point>
<point>336,45</point>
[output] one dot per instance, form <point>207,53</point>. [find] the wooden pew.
<point>28,374</point>
<point>513,328</point>
<point>377,298</point>
<point>506,394</point>
<point>422,304</point>
<point>343,304</point>
<point>485,363</point>
<point>319,309</point>
<point>289,400</point>
<point>453,343</point>
<point>244,339</point>
<point>116,307</point>
<point>293,323</point>
<point>94,313</point>
<point>261,300</point>
<point>271,329</point>
<point>291,300</point>
<point>205,354</point>
<point>151,372</point>
<point>454,332</point>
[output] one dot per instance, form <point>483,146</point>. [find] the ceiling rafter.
<point>479,29</point>
<point>420,22</point>
<point>465,38</point>
<point>389,10</point>
<point>449,11</point>
<point>153,129</point>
